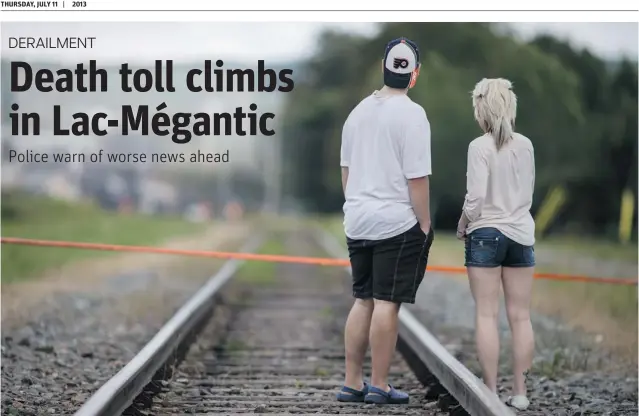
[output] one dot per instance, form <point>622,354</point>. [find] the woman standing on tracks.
<point>499,232</point>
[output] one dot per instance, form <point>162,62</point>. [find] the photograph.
<point>317,217</point>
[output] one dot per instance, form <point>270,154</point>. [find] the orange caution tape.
<point>281,258</point>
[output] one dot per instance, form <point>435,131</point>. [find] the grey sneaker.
<point>518,402</point>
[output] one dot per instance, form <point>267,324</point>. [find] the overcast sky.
<point>273,41</point>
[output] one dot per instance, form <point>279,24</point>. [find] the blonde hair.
<point>495,106</point>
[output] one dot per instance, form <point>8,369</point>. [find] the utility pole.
<point>271,152</point>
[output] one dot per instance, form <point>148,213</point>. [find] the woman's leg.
<point>518,283</point>
<point>485,286</point>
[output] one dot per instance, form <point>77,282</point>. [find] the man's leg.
<point>383,339</point>
<point>359,319</point>
<point>356,341</point>
<point>399,264</point>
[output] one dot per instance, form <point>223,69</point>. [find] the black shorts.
<point>390,269</point>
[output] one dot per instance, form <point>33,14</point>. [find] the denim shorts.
<point>488,247</point>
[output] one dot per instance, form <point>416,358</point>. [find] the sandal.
<point>379,396</point>
<point>348,394</point>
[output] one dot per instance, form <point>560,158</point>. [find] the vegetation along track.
<point>275,345</point>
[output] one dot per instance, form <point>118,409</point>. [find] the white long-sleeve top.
<point>500,187</point>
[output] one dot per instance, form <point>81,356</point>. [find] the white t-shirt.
<point>385,142</point>
<point>500,187</point>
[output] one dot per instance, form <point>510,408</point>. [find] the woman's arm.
<point>476,185</point>
<point>344,179</point>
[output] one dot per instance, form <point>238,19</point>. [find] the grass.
<point>446,251</point>
<point>614,302</point>
<point>599,249</point>
<point>335,227</point>
<point>262,273</point>
<point>235,345</point>
<point>449,251</point>
<point>48,219</point>
<point>326,312</point>
<point>609,310</point>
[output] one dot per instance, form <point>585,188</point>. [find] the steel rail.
<point>117,394</point>
<point>425,354</point>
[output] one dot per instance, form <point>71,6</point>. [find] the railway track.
<point>277,347</point>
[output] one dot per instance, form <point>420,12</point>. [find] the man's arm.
<point>419,191</point>
<point>344,179</point>
<point>416,164</point>
<point>345,156</point>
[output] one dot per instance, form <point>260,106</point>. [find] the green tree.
<point>581,116</point>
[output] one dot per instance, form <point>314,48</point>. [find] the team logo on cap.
<point>400,62</point>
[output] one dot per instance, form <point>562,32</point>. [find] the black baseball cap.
<point>401,58</point>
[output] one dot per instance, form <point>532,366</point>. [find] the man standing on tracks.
<point>386,162</point>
